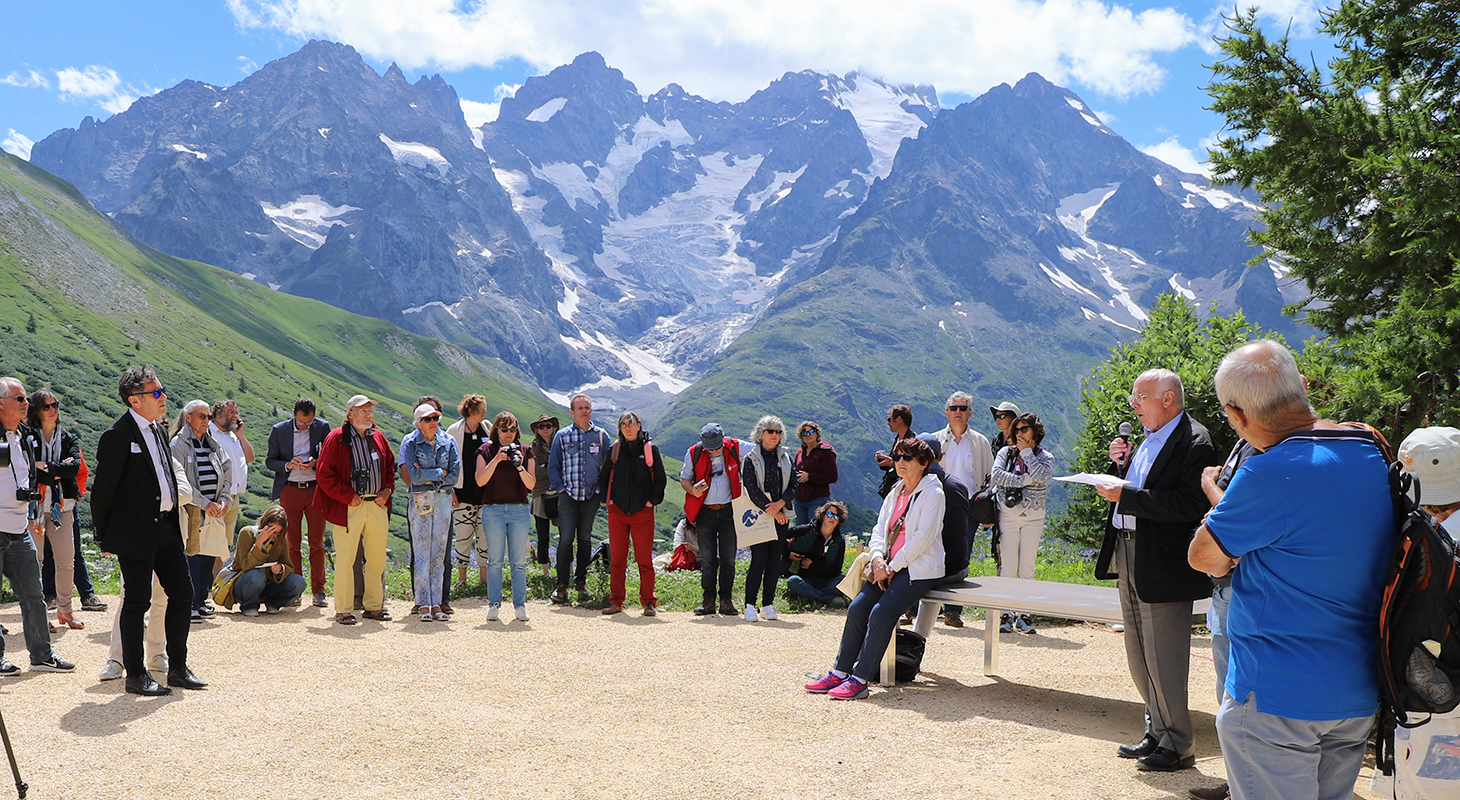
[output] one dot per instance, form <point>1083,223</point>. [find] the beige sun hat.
<point>1432,455</point>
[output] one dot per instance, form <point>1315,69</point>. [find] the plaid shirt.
<point>576,459</point>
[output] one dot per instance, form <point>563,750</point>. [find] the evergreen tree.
<point>1359,162</point>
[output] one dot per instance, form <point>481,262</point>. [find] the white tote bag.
<point>752,526</point>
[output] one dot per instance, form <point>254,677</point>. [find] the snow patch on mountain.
<point>573,182</point>
<point>1218,198</point>
<point>885,123</point>
<point>780,186</point>
<point>547,110</point>
<point>185,149</point>
<point>307,219</point>
<point>1184,291</point>
<point>1100,259</point>
<point>415,154</point>
<point>548,237</point>
<point>450,309</point>
<point>1076,211</point>
<point>1058,277</point>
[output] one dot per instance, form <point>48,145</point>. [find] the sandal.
<point>69,620</point>
<point>346,619</point>
<point>441,615</point>
<point>379,616</point>
<point>426,616</point>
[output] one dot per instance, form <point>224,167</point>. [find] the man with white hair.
<point>967,457</point>
<point>1311,521</point>
<point>1155,512</point>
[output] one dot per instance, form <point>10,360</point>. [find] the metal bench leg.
<point>927,616</point>
<point>990,641</point>
<point>889,662</point>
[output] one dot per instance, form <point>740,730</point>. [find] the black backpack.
<point>1419,622</point>
<point>910,647</point>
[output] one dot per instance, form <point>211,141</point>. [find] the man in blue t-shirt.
<point>1308,526</point>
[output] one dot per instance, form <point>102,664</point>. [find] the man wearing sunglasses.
<point>134,506</point>
<point>968,458</point>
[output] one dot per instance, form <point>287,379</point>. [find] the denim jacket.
<point>431,467</point>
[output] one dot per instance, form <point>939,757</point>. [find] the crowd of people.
<point>1295,578</point>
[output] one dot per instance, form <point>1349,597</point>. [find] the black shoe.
<point>706,607</point>
<point>184,678</point>
<point>197,617</point>
<point>8,669</point>
<point>953,620</point>
<point>50,604</point>
<point>1146,746</point>
<point>728,610</point>
<point>145,684</point>
<point>1221,792</point>
<point>1165,760</point>
<point>206,611</point>
<point>559,595</point>
<point>92,603</point>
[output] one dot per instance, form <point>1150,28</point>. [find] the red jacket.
<point>701,457</point>
<point>335,491</point>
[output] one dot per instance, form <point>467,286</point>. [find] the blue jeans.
<point>19,565</point>
<point>575,525</point>
<point>806,510</point>
<point>1221,645</point>
<point>871,619</point>
<point>253,587</point>
<point>822,590</point>
<point>430,542</point>
<point>507,526</point>
<point>1271,756</point>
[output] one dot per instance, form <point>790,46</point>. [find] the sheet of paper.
<point>1100,480</point>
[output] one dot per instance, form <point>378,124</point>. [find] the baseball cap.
<point>357,401</point>
<point>1432,455</point>
<point>424,410</point>
<point>712,436</point>
<point>932,441</point>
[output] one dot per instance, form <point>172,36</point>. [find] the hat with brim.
<point>357,401</point>
<point>1432,456</point>
<point>541,418</point>
<point>1004,406</point>
<point>425,410</point>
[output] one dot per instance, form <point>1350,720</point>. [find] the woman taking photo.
<point>815,465</point>
<point>58,467</point>
<point>633,481</point>
<point>907,563</point>
<point>817,552</point>
<point>506,471</point>
<point>431,461</point>
<point>211,474</point>
<point>265,570</point>
<point>766,473</point>
<point>1021,474</point>
<point>544,500</point>
<point>466,515</point>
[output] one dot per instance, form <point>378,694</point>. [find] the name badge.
<point>374,456</point>
<point>136,448</point>
<point>593,448</point>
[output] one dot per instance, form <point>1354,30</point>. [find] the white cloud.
<point>17,144</point>
<point>247,65</point>
<point>1298,18</point>
<point>31,80</point>
<point>1183,158</point>
<point>478,114</point>
<point>98,83</point>
<point>729,49</point>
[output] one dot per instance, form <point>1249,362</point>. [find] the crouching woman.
<point>265,571</point>
<point>907,563</point>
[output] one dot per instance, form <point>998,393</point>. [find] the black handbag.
<point>984,506</point>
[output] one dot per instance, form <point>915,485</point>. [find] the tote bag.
<point>752,526</point>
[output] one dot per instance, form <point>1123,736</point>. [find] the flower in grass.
<point>743,554</point>
<point>1089,554</point>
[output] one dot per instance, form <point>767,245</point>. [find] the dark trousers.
<point>200,570</point>
<point>299,511</point>
<point>84,589</point>
<point>544,527</point>
<point>575,524</point>
<point>171,565</point>
<point>765,568</point>
<point>716,529</point>
<point>822,590</point>
<point>871,619</point>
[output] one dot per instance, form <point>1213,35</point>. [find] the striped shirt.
<point>363,452</point>
<point>207,473</point>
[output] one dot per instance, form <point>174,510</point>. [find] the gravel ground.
<point>577,705</point>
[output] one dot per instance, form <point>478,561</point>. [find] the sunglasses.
<point>776,432</point>
<point>432,418</point>
<point>157,394</point>
<point>1003,415</point>
<point>809,432</point>
<point>542,426</point>
<point>903,457</point>
<point>19,398</point>
<point>957,408</point>
<point>1023,428</point>
<point>833,515</point>
<point>50,405</point>
<point>506,429</point>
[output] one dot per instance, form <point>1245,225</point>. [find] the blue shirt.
<point>575,461</point>
<point>1313,522</point>
<point>430,463</point>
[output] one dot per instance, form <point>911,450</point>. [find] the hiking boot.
<point>583,595</point>
<point>727,609</point>
<point>706,607</point>
<point>92,603</point>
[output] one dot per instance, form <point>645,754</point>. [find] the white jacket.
<point>922,548</point>
<point>983,456</point>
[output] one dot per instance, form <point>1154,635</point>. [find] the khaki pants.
<point>368,526</point>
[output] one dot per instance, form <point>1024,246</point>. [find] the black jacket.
<point>628,482</point>
<point>957,525</point>
<point>126,501</point>
<point>1168,510</point>
<point>827,555</point>
<point>61,475</point>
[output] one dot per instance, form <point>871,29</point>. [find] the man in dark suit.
<point>134,511</point>
<point>1145,546</point>
<point>293,451</point>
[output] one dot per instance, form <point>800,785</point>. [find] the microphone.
<point>1123,435</point>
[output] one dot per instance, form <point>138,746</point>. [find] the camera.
<point>360,479</point>
<point>27,495</point>
<point>514,453</point>
<point>1013,497</point>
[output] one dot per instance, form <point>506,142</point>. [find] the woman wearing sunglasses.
<point>1021,473</point>
<point>817,551</point>
<point>506,471</point>
<point>815,464</point>
<point>907,563</point>
<point>431,460</point>
<point>58,467</point>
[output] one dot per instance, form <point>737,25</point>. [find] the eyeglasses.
<point>903,457</point>
<point>19,398</point>
<point>1137,399</point>
<point>1022,428</point>
<point>1234,407</point>
<point>432,418</point>
<point>50,405</point>
<point>957,408</point>
<point>1003,415</point>
<point>157,394</point>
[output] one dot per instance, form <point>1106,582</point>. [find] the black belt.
<point>303,484</point>
<point>368,496</point>
<point>716,506</point>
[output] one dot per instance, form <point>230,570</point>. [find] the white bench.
<point>992,594</point>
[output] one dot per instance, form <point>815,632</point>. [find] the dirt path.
<point>575,705</point>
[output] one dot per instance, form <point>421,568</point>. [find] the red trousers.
<point>298,503</point>
<point>640,527</point>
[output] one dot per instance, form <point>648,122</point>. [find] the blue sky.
<point>1141,65</point>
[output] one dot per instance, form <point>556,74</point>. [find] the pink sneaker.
<point>850,689</point>
<point>824,684</point>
